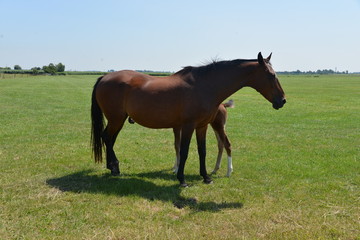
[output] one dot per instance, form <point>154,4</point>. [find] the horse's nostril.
<point>284,101</point>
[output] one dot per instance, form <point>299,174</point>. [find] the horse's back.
<point>140,81</point>
<point>154,102</point>
<point>123,77</point>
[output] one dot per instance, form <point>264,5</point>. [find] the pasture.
<point>296,170</point>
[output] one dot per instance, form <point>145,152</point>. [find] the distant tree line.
<point>51,69</point>
<point>59,69</point>
<point>155,73</point>
<point>318,72</point>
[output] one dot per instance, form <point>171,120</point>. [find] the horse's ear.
<point>261,59</point>
<point>268,58</point>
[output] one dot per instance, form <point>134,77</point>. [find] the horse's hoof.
<point>115,173</point>
<point>208,181</point>
<point>184,185</point>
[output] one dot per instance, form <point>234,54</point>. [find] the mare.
<point>187,101</point>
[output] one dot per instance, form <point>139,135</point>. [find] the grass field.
<point>296,170</point>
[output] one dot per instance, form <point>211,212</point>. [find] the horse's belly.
<point>155,114</point>
<point>156,107</point>
<point>154,120</point>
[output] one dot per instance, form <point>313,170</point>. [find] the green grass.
<point>296,170</point>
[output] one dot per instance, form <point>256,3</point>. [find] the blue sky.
<point>167,35</point>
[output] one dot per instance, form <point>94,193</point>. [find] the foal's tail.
<point>97,126</point>
<point>229,104</point>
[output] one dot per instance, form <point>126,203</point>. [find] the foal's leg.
<point>186,133</point>
<point>201,144</point>
<point>220,152</point>
<point>177,136</point>
<point>223,141</point>
<point>109,137</point>
<point>227,145</point>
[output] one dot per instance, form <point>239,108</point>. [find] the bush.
<point>17,67</point>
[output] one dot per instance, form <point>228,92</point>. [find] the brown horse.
<point>187,100</point>
<point>218,125</point>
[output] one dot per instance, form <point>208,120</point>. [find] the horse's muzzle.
<point>279,103</point>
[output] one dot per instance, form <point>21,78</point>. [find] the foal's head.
<point>266,82</point>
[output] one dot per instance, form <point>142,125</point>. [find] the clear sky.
<point>167,35</point>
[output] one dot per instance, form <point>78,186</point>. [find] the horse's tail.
<point>97,126</point>
<point>229,104</point>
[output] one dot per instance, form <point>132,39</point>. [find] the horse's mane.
<point>213,65</point>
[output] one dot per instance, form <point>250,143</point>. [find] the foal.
<point>218,125</point>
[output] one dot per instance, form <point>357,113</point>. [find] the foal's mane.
<point>213,65</point>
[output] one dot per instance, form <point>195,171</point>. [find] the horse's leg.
<point>223,141</point>
<point>220,152</point>
<point>109,137</point>
<point>227,145</point>
<point>201,144</point>
<point>186,133</point>
<point>177,136</point>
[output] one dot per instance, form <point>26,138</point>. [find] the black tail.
<point>97,126</point>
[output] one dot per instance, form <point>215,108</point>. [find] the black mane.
<point>211,66</point>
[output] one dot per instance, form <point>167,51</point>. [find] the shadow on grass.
<point>85,181</point>
<point>167,175</point>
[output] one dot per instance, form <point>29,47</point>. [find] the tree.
<point>60,67</point>
<point>17,67</point>
<point>51,69</point>
<point>35,70</point>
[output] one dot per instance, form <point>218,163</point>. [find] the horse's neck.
<point>222,83</point>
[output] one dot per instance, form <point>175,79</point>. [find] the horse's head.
<point>266,82</point>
